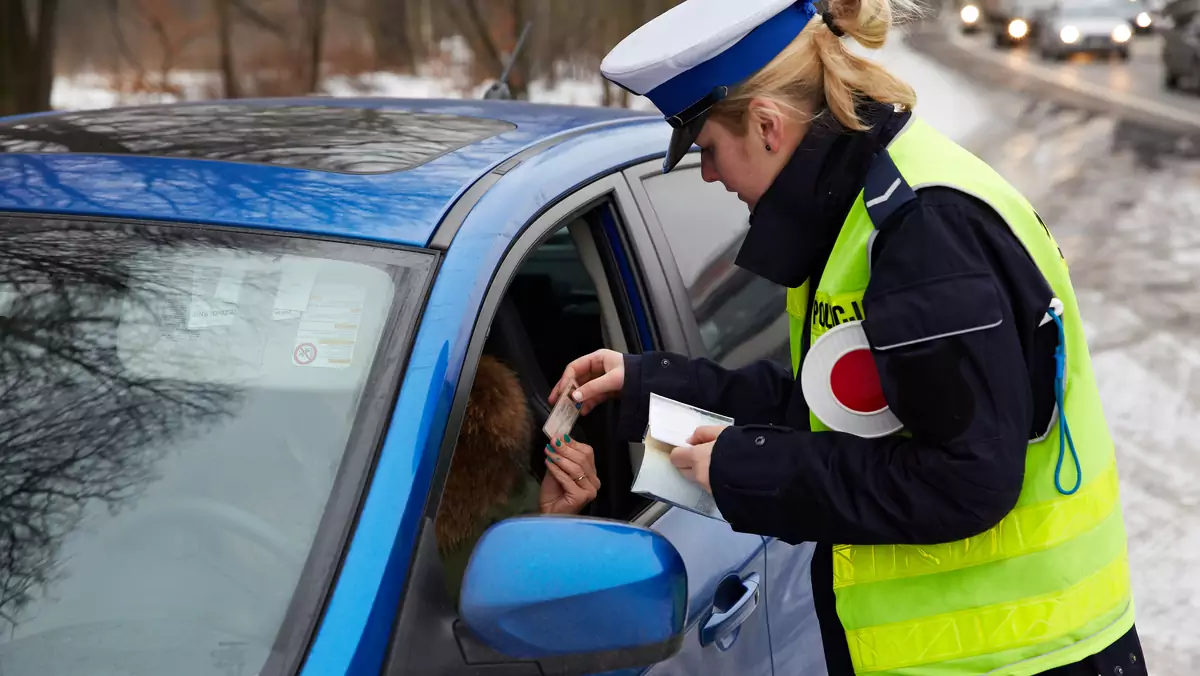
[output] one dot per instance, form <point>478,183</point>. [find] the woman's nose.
<point>707,171</point>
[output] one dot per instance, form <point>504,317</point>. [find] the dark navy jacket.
<point>971,401</point>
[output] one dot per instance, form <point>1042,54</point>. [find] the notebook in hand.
<point>671,423</point>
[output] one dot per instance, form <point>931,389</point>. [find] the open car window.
<point>175,405</point>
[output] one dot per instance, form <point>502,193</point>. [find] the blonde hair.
<point>819,68</point>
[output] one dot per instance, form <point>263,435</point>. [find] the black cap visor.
<point>682,140</point>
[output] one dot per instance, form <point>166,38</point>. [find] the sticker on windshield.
<point>295,288</point>
<point>215,292</point>
<point>329,326</point>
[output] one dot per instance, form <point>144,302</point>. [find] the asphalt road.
<point>1139,79</point>
<point>1130,90</point>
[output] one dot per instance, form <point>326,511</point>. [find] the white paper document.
<point>671,424</point>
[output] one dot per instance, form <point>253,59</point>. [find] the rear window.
<point>325,138</point>
<point>175,406</point>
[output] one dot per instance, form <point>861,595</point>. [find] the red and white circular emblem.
<point>842,387</point>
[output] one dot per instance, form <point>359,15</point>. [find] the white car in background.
<point>1098,28</point>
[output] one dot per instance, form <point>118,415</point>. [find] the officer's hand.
<point>693,461</point>
<point>600,376</point>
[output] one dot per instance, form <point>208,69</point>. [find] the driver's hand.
<point>600,376</point>
<point>571,481</point>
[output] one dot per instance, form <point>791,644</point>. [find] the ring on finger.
<point>581,478</point>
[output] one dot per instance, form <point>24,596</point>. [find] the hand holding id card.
<point>566,412</point>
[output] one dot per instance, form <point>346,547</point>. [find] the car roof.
<point>377,169</point>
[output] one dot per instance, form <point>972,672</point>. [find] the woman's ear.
<point>766,120</point>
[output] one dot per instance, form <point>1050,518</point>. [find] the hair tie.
<point>828,19</point>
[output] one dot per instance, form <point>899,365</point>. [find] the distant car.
<point>970,18</point>
<point>1098,28</point>
<point>1181,45</point>
<point>1141,15</point>
<point>239,339</point>
<point>1017,22</point>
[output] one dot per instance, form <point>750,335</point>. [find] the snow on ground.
<point>444,77</point>
<point>1127,229</point>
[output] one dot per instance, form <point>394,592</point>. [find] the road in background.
<point>1138,80</point>
<point>1131,90</point>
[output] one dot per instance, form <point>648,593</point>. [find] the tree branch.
<point>258,19</point>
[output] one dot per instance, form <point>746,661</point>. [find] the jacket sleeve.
<point>943,332</point>
<point>756,393</point>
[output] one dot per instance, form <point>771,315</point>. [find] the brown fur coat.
<point>491,454</point>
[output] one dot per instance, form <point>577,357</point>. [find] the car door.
<point>727,618</point>
<point>727,631</point>
<point>735,318</point>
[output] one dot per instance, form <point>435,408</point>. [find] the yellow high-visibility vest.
<point>1049,584</point>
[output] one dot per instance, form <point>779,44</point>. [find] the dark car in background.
<point>1015,22</point>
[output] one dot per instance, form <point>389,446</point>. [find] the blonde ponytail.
<point>818,69</point>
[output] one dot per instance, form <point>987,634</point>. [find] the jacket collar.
<point>796,222</point>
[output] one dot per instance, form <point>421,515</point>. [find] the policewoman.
<point>939,434</point>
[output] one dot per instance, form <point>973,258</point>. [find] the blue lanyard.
<point>1064,431</point>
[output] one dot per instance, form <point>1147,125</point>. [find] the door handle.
<point>724,622</point>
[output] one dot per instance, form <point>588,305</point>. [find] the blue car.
<point>236,345</point>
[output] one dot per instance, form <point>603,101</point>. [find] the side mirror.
<point>577,595</point>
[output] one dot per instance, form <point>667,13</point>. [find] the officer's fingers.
<point>600,389</point>
<point>682,457</point>
<point>705,434</point>
<point>580,370</point>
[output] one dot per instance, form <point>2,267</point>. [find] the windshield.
<point>175,403</point>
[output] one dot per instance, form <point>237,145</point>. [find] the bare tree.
<point>229,78</point>
<point>26,55</point>
<point>315,35</point>
<point>76,426</point>
<point>392,30</point>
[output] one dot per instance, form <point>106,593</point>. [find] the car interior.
<point>561,305</point>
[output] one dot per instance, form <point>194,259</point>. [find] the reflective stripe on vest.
<point>1049,584</point>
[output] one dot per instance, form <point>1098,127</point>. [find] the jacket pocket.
<point>929,310</point>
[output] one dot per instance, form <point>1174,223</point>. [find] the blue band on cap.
<point>735,64</point>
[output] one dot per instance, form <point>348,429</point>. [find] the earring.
<point>768,147</point>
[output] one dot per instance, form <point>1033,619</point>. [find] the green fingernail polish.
<point>558,442</point>
<point>567,438</point>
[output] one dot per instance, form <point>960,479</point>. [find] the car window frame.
<point>319,574</point>
<point>423,612</point>
<point>636,177</point>
<point>612,189</point>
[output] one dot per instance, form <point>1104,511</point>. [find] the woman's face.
<point>742,162</point>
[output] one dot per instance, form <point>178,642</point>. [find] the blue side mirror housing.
<point>587,595</point>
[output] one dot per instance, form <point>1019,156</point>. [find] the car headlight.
<point>1018,29</point>
<point>1069,34</point>
<point>1121,33</point>
<point>1143,20</point>
<point>969,14</point>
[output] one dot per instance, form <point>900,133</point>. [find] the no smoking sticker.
<point>304,354</point>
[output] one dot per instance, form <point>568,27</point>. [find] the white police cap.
<point>689,57</point>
